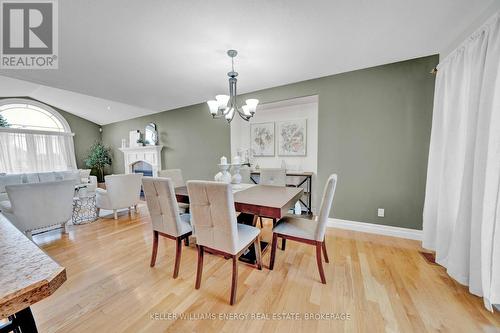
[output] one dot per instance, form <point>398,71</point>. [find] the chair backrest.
<point>12,179</point>
<point>84,175</point>
<point>124,190</point>
<point>211,205</point>
<point>162,205</point>
<point>273,176</point>
<point>326,204</point>
<point>174,174</point>
<point>40,205</point>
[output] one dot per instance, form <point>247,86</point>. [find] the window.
<point>38,138</point>
<point>30,116</point>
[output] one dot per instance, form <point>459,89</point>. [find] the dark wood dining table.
<point>259,200</point>
<point>252,201</point>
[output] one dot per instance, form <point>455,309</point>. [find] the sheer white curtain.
<point>36,151</point>
<point>461,220</point>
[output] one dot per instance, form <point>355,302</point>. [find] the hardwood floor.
<point>383,284</point>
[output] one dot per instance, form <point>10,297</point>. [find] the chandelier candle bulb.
<point>223,160</point>
<point>246,110</point>
<point>236,160</point>
<point>222,100</point>
<point>213,106</point>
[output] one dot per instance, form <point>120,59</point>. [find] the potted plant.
<point>142,142</point>
<point>3,122</point>
<point>98,158</point>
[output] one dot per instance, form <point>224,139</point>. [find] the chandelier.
<point>225,106</point>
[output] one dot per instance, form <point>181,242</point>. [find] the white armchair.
<point>90,182</point>
<point>40,205</point>
<point>122,191</point>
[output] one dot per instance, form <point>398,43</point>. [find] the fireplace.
<point>142,167</point>
<point>146,160</point>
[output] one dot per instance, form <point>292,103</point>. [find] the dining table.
<point>253,201</point>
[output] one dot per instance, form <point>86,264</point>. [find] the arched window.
<point>32,115</point>
<point>36,139</point>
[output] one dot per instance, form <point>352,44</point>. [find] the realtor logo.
<point>29,34</point>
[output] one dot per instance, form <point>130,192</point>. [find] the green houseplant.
<point>3,122</point>
<point>98,158</point>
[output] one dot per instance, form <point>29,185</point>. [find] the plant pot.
<point>101,185</point>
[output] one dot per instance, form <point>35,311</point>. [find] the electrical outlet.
<point>381,212</point>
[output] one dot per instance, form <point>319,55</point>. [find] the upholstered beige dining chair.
<point>275,177</point>
<point>308,231</point>
<point>272,176</point>
<point>217,230</point>
<point>178,180</point>
<point>165,217</point>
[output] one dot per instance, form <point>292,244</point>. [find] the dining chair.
<point>165,217</point>
<point>275,177</point>
<point>308,231</point>
<point>178,180</point>
<point>217,230</point>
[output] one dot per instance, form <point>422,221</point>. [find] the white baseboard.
<point>376,229</point>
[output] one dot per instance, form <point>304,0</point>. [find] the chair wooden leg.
<point>283,244</point>
<point>178,251</point>
<point>115,214</point>
<point>98,212</point>
<point>129,211</point>
<point>260,220</point>
<point>320,262</point>
<point>186,241</point>
<point>155,248</point>
<point>274,245</point>
<point>135,208</point>
<point>258,252</point>
<point>325,253</point>
<point>199,270</point>
<point>234,283</point>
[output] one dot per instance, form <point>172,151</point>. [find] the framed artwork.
<point>262,139</point>
<point>292,137</point>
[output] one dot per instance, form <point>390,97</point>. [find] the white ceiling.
<point>159,55</point>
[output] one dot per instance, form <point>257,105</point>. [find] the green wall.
<point>86,133</point>
<point>192,140</point>
<point>374,131</point>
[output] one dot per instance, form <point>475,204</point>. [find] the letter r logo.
<point>27,28</point>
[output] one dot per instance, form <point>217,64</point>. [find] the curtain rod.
<point>26,131</point>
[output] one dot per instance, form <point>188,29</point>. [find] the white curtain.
<point>35,151</point>
<point>461,220</point>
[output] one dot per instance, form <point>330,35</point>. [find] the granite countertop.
<point>27,274</point>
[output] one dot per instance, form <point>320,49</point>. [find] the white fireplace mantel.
<point>148,154</point>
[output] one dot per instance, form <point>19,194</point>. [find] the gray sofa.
<point>80,177</point>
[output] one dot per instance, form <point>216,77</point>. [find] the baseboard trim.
<point>376,229</point>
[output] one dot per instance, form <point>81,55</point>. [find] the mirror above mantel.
<point>151,134</point>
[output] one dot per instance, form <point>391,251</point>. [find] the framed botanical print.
<point>292,137</point>
<point>262,139</point>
